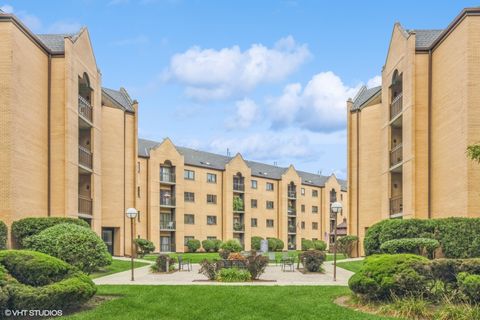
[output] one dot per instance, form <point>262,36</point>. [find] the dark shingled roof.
<point>425,38</point>
<point>56,42</point>
<point>218,162</point>
<point>364,95</point>
<point>121,97</point>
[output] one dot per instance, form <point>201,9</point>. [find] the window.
<point>138,191</point>
<point>269,223</point>
<point>314,193</point>
<point>254,203</point>
<point>269,204</point>
<point>211,198</point>
<point>303,224</point>
<point>211,220</point>
<point>189,219</point>
<point>303,208</point>
<point>341,196</point>
<point>302,191</point>
<point>189,197</point>
<point>314,209</point>
<point>186,238</point>
<point>211,178</point>
<point>254,222</point>
<point>254,184</point>
<point>212,238</point>
<point>138,216</point>
<point>138,166</point>
<point>189,175</point>
<point>315,225</point>
<point>269,186</point>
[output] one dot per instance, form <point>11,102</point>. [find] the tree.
<point>473,152</point>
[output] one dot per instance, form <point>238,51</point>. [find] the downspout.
<point>147,205</point>
<point>124,188</point>
<point>358,180</point>
<point>429,133</point>
<point>49,103</point>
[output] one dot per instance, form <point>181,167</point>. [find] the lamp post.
<point>132,214</point>
<point>335,208</point>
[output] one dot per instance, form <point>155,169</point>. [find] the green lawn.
<point>222,302</point>
<point>116,266</point>
<point>199,256</point>
<point>353,266</point>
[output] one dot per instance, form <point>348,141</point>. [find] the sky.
<point>268,79</point>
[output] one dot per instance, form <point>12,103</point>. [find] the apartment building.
<point>189,194</point>
<point>67,145</point>
<point>407,139</point>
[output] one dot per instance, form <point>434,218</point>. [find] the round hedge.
<point>33,280</point>
<point>79,246</point>
<point>3,235</point>
<point>256,242</point>
<point>410,245</point>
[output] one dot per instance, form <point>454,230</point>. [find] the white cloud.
<point>218,74</point>
<point>319,106</point>
<point>246,114</point>
<point>374,82</point>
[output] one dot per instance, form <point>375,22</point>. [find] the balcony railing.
<point>238,186</point>
<point>292,212</point>
<point>85,157</point>
<point>396,155</point>
<point>167,225</point>
<point>168,177</point>
<point>396,106</point>
<point>167,248</point>
<point>167,201</point>
<point>84,108</point>
<point>238,226</point>
<point>85,204</point>
<point>396,205</point>
<point>292,228</point>
<point>292,194</point>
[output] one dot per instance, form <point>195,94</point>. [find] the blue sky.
<point>268,79</point>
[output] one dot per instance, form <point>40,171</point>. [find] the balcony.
<point>292,194</point>
<point>167,248</point>
<point>292,228</point>
<point>85,157</point>
<point>167,225</point>
<point>396,155</point>
<point>292,211</point>
<point>167,177</point>
<point>167,201</point>
<point>85,205</point>
<point>238,186</point>
<point>396,106</point>
<point>238,227</point>
<point>396,206</point>
<point>84,108</point>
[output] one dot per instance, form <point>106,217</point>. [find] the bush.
<point>3,236</point>
<point>232,245</point>
<point>233,275</point>
<point>307,244</point>
<point>469,285</point>
<point>38,281</point>
<point>256,243</point>
<point>161,263</point>
<point>217,243</point>
<point>454,244</point>
<point>346,244</point>
<point>208,245</point>
<point>27,227</point>
<point>280,244</point>
<point>209,268</point>
<point>193,245</point>
<point>144,247</point>
<point>420,246</point>
<point>319,245</point>
<point>79,246</point>
<point>256,265</point>
<point>237,256</point>
<point>312,260</point>
<point>382,277</point>
<point>272,244</point>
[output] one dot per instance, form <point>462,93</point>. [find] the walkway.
<point>273,276</point>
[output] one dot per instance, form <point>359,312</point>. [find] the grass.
<point>199,256</point>
<point>222,302</point>
<point>353,266</point>
<point>116,266</point>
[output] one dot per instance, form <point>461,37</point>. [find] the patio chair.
<point>288,263</point>
<point>182,263</point>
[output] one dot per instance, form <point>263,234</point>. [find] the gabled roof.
<point>56,42</point>
<point>218,162</point>
<point>364,95</point>
<point>424,39</point>
<point>120,98</point>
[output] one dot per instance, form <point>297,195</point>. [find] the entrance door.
<point>165,244</point>
<point>107,237</point>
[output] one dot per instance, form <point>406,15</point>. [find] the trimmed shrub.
<point>217,243</point>
<point>233,275</point>
<point>256,243</point>
<point>38,281</point>
<point>232,245</point>
<point>469,285</point>
<point>454,244</point>
<point>208,245</point>
<point>319,245</point>
<point>312,260</point>
<point>346,244</point>
<point>307,244</point>
<point>382,277</point>
<point>272,244</point>
<point>144,246</point>
<point>256,265</point>
<point>420,246</point>
<point>280,244</point>
<point>193,245</point>
<point>79,246</point>
<point>27,227</point>
<point>3,237</point>
<point>161,263</point>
